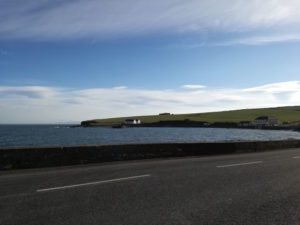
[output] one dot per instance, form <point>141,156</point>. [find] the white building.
<point>132,121</point>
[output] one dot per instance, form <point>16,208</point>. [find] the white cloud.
<point>253,21</point>
<point>193,86</point>
<point>255,40</point>
<point>277,88</point>
<point>29,91</point>
<point>247,40</point>
<point>31,104</point>
<point>120,87</point>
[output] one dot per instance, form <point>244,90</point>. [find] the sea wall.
<point>20,158</point>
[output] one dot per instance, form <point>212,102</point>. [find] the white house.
<point>265,121</point>
<point>132,121</point>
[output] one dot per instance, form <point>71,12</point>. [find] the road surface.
<point>254,188</point>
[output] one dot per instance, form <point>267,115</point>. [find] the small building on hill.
<point>265,121</point>
<point>132,122</point>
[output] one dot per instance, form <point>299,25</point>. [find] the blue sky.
<point>146,63</point>
<point>95,59</point>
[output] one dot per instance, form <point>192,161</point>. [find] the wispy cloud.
<point>47,104</point>
<point>245,39</point>
<point>29,91</point>
<point>253,22</point>
<point>266,39</point>
<point>257,39</point>
<point>120,87</point>
<point>193,86</point>
<point>276,88</point>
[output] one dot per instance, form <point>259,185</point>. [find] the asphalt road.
<point>255,188</point>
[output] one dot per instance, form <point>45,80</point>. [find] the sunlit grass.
<point>284,114</point>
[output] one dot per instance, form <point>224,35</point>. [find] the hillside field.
<point>284,114</point>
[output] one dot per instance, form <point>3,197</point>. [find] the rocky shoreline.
<point>194,124</point>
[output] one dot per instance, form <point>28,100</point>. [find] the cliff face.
<point>88,123</point>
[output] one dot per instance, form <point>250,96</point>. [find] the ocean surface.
<point>59,135</point>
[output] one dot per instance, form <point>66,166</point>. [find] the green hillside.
<point>284,114</point>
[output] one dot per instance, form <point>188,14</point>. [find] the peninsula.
<point>273,118</point>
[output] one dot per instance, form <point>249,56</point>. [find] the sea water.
<point>61,135</point>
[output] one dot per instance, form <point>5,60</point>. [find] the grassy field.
<point>284,114</point>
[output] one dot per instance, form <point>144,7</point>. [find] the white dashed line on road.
<point>240,164</point>
<point>92,183</point>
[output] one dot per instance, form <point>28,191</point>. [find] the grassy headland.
<point>290,115</point>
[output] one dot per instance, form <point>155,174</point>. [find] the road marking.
<point>92,183</point>
<point>240,164</point>
<point>296,157</point>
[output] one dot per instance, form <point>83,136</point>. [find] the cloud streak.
<point>254,22</point>
<point>36,104</point>
<point>193,86</point>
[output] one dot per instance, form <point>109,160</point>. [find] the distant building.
<point>132,121</point>
<point>265,121</point>
<point>165,114</point>
<point>245,123</point>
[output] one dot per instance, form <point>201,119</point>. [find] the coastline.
<point>193,124</point>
